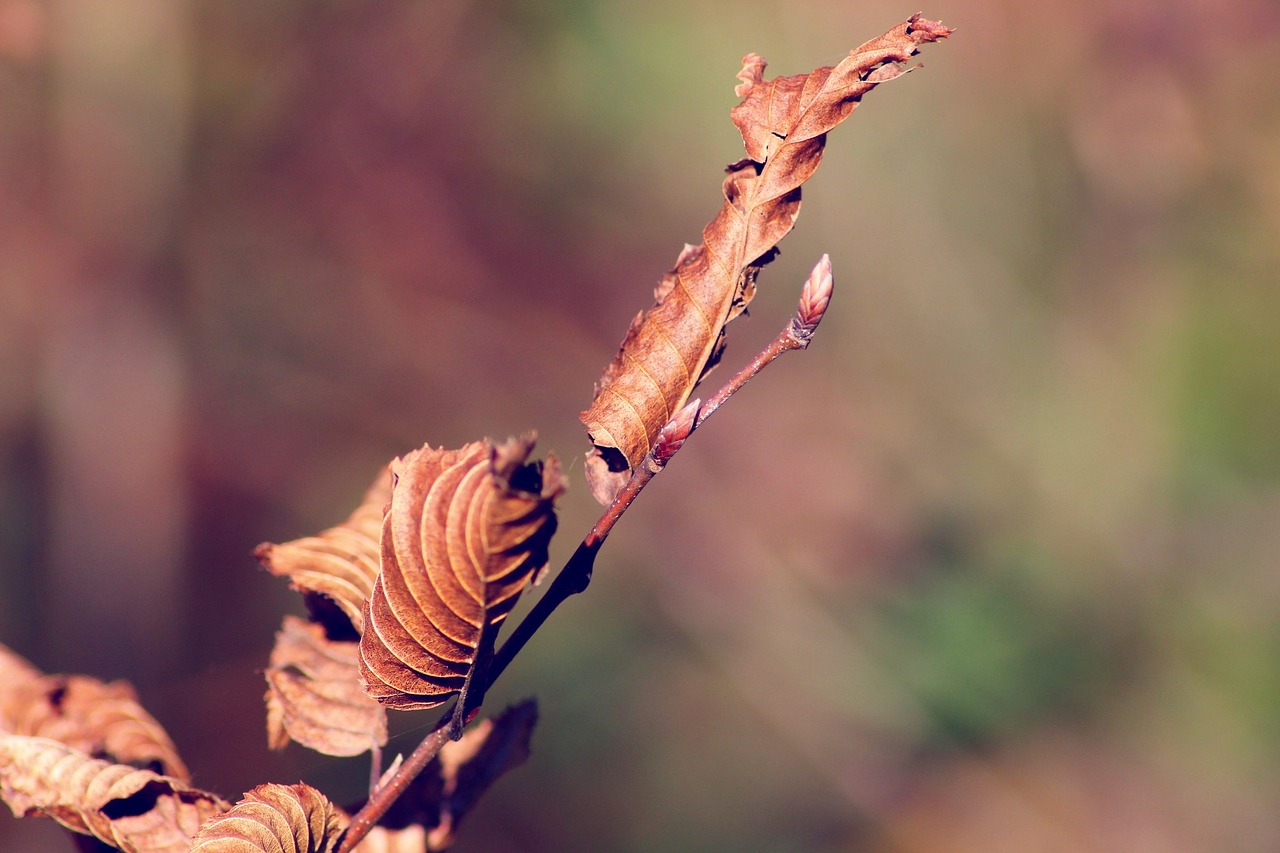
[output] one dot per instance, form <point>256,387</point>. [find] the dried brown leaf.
<point>314,695</point>
<point>341,562</point>
<point>466,532</point>
<point>274,819</point>
<point>104,720</point>
<point>132,809</point>
<point>668,349</point>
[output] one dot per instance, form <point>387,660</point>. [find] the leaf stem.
<point>575,576</point>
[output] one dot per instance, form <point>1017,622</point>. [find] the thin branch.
<point>575,576</point>
<point>381,799</point>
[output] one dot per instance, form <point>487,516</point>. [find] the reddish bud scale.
<point>672,436</point>
<point>814,299</point>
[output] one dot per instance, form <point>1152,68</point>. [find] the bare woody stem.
<point>575,576</point>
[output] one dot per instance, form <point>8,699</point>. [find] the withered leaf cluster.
<point>406,596</point>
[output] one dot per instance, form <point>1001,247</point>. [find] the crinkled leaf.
<point>340,563</point>
<point>668,349</point>
<point>314,695</point>
<point>132,809</point>
<point>99,719</point>
<point>466,532</point>
<point>274,819</point>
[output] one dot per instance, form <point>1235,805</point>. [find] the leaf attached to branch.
<point>137,811</point>
<point>274,818</point>
<point>466,532</point>
<point>340,563</point>
<point>314,695</point>
<point>784,124</point>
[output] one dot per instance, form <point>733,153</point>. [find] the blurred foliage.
<point>991,566</point>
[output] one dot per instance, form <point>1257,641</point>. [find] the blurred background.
<point>992,566</point>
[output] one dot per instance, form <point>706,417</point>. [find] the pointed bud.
<point>672,436</point>
<point>814,300</point>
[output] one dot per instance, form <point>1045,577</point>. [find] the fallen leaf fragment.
<point>466,532</point>
<point>274,818</point>
<point>132,809</point>
<point>100,719</point>
<point>314,695</point>
<point>669,347</point>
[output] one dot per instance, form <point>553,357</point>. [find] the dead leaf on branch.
<point>466,532</point>
<point>132,809</point>
<point>340,563</point>
<point>314,695</point>
<point>313,685</point>
<point>669,348</point>
<point>104,720</point>
<point>273,819</point>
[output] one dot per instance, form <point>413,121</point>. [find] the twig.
<point>575,576</point>
<point>381,799</point>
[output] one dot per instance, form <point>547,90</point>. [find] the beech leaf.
<point>274,818</point>
<point>668,348</point>
<point>99,719</point>
<point>314,695</point>
<point>466,532</point>
<point>340,563</point>
<point>128,808</point>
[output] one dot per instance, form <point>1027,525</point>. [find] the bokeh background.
<point>992,566</point>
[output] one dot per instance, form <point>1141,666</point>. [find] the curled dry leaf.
<point>668,349</point>
<point>466,532</point>
<point>274,819</point>
<point>132,809</point>
<point>341,562</point>
<point>96,718</point>
<point>313,686</point>
<point>314,695</point>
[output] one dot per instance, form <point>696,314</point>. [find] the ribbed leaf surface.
<point>274,819</point>
<point>466,532</point>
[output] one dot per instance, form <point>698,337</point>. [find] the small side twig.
<point>575,576</point>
